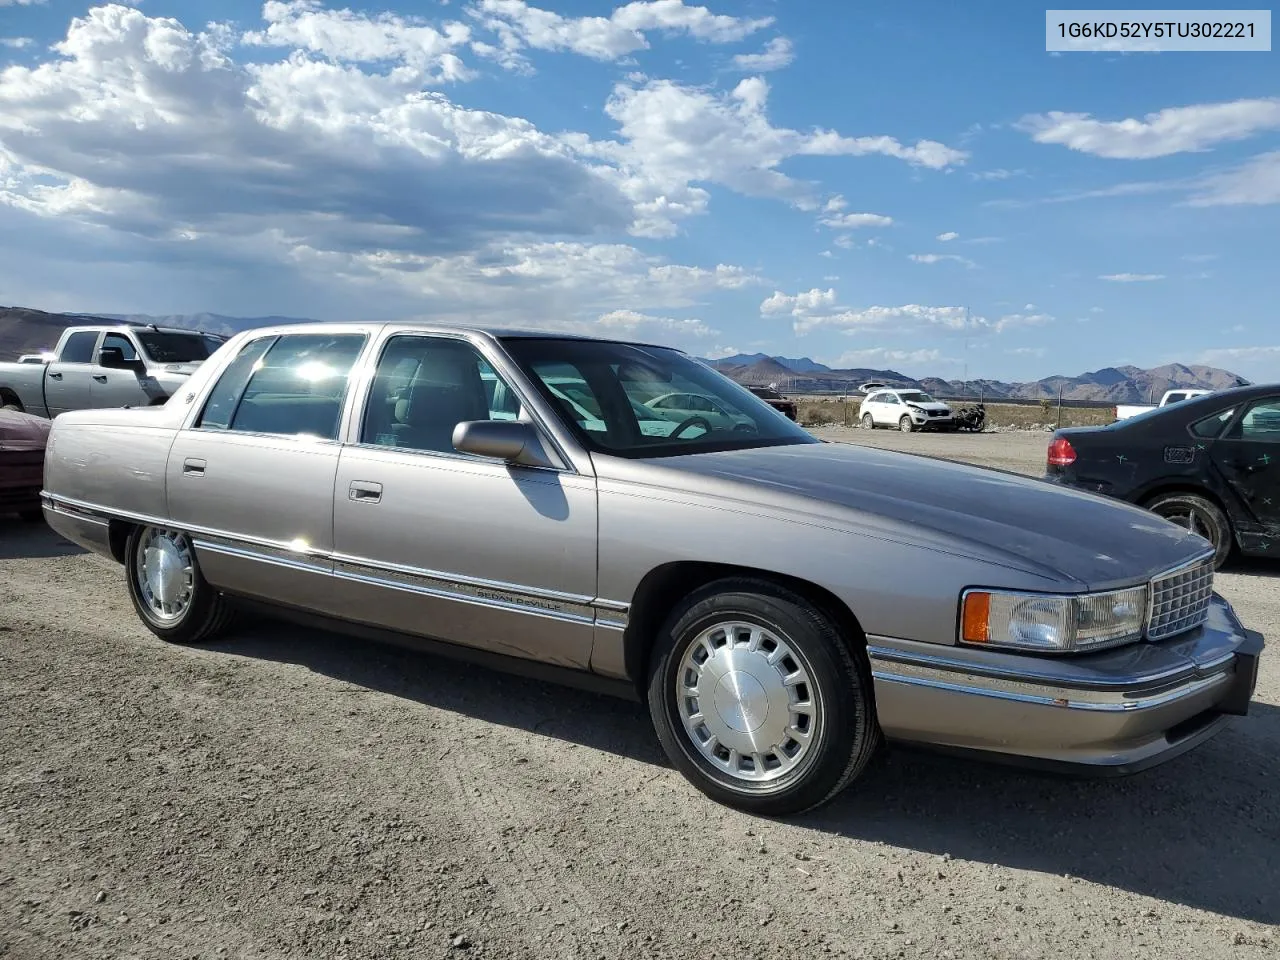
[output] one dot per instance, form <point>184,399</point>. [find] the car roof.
<point>492,331</point>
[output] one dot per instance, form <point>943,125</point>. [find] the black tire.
<point>207,612</point>
<point>905,424</point>
<point>1200,515</point>
<point>868,422</point>
<point>848,733</point>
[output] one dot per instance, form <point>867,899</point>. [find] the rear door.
<point>68,381</point>
<point>887,408</point>
<point>252,476</point>
<point>1248,457</point>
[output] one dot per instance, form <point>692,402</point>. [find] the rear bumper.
<point>1116,712</point>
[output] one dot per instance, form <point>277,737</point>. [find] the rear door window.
<point>79,347</point>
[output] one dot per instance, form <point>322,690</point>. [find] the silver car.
<point>783,604</point>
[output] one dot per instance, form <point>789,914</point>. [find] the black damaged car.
<point>1210,463</point>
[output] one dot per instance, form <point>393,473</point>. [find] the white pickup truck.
<point>1124,411</point>
<point>111,365</point>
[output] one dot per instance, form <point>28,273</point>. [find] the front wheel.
<point>1201,516</point>
<point>867,422</point>
<point>905,424</point>
<point>758,701</point>
<point>168,591</point>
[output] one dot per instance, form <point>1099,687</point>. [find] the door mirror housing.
<point>113,358</point>
<point>514,441</point>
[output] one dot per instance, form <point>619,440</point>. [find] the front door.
<point>471,550</point>
<point>251,478</point>
<point>1248,457</point>
<point>114,387</point>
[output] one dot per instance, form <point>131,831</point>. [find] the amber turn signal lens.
<point>976,618</point>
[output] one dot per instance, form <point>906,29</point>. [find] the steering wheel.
<point>692,422</point>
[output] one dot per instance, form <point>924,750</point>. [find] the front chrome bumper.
<point>1114,711</point>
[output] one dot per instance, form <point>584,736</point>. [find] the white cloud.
<point>879,355</point>
<point>1239,328</point>
<point>1199,257</point>
<point>939,258</point>
<point>834,204</point>
<point>1131,277</point>
<point>1095,310</point>
<point>949,235</point>
<point>1255,182</point>
<point>997,174</point>
<point>519,25</point>
<point>845,241</point>
<point>719,353</point>
<point>21,3</point>
<point>1174,130</point>
<point>1027,352</point>
<point>777,53</point>
<point>797,305</point>
<point>629,323</point>
<point>905,319</point>
<point>678,136</point>
<point>1011,320</point>
<point>344,36</point>
<point>16,43</point>
<point>855,221</point>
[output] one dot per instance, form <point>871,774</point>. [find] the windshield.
<point>166,347</point>
<point>915,396</point>
<point>638,401</point>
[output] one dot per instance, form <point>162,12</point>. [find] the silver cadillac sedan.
<point>783,604</point>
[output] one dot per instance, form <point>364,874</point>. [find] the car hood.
<point>174,370</point>
<point>932,405</point>
<point>22,431</point>
<point>1007,518</point>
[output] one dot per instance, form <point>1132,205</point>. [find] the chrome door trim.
<point>571,607</point>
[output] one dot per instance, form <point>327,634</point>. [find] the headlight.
<point>1070,623</point>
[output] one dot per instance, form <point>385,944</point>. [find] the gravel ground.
<point>288,793</point>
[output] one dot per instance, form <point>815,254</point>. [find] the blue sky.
<point>918,186</point>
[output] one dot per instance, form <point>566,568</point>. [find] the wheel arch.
<point>665,586</point>
<point>118,537</point>
<point>8,397</point>
<point>1145,497</point>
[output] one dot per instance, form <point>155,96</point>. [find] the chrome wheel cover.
<point>164,568</point>
<point>748,702</point>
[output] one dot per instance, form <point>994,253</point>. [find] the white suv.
<point>905,409</point>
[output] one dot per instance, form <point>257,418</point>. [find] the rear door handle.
<point>100,377</point>
<point>192,467</point>
<point>362,491</point>
<point>55,376</point>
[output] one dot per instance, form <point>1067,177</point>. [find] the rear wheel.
<point>905,424</point>
<point>758,701</point>
<point>868,422</point>
<point>1200,515</point>
<point>168,591</point>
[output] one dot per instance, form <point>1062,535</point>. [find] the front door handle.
<point>100,377</point>
<point>55,376</point>
<point>363,491</point>
<point>193,467</point>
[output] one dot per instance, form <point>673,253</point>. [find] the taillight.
<point>1061,453</point>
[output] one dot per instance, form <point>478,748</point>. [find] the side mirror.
<point>113,357</point>
<point>511,440</point>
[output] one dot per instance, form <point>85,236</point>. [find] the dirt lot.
<point>294,794</point>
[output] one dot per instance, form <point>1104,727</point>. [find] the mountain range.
<point>25,330</point>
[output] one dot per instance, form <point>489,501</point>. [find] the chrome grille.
<point>1180,599</point>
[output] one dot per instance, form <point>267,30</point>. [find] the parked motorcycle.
<point>972,417</point>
